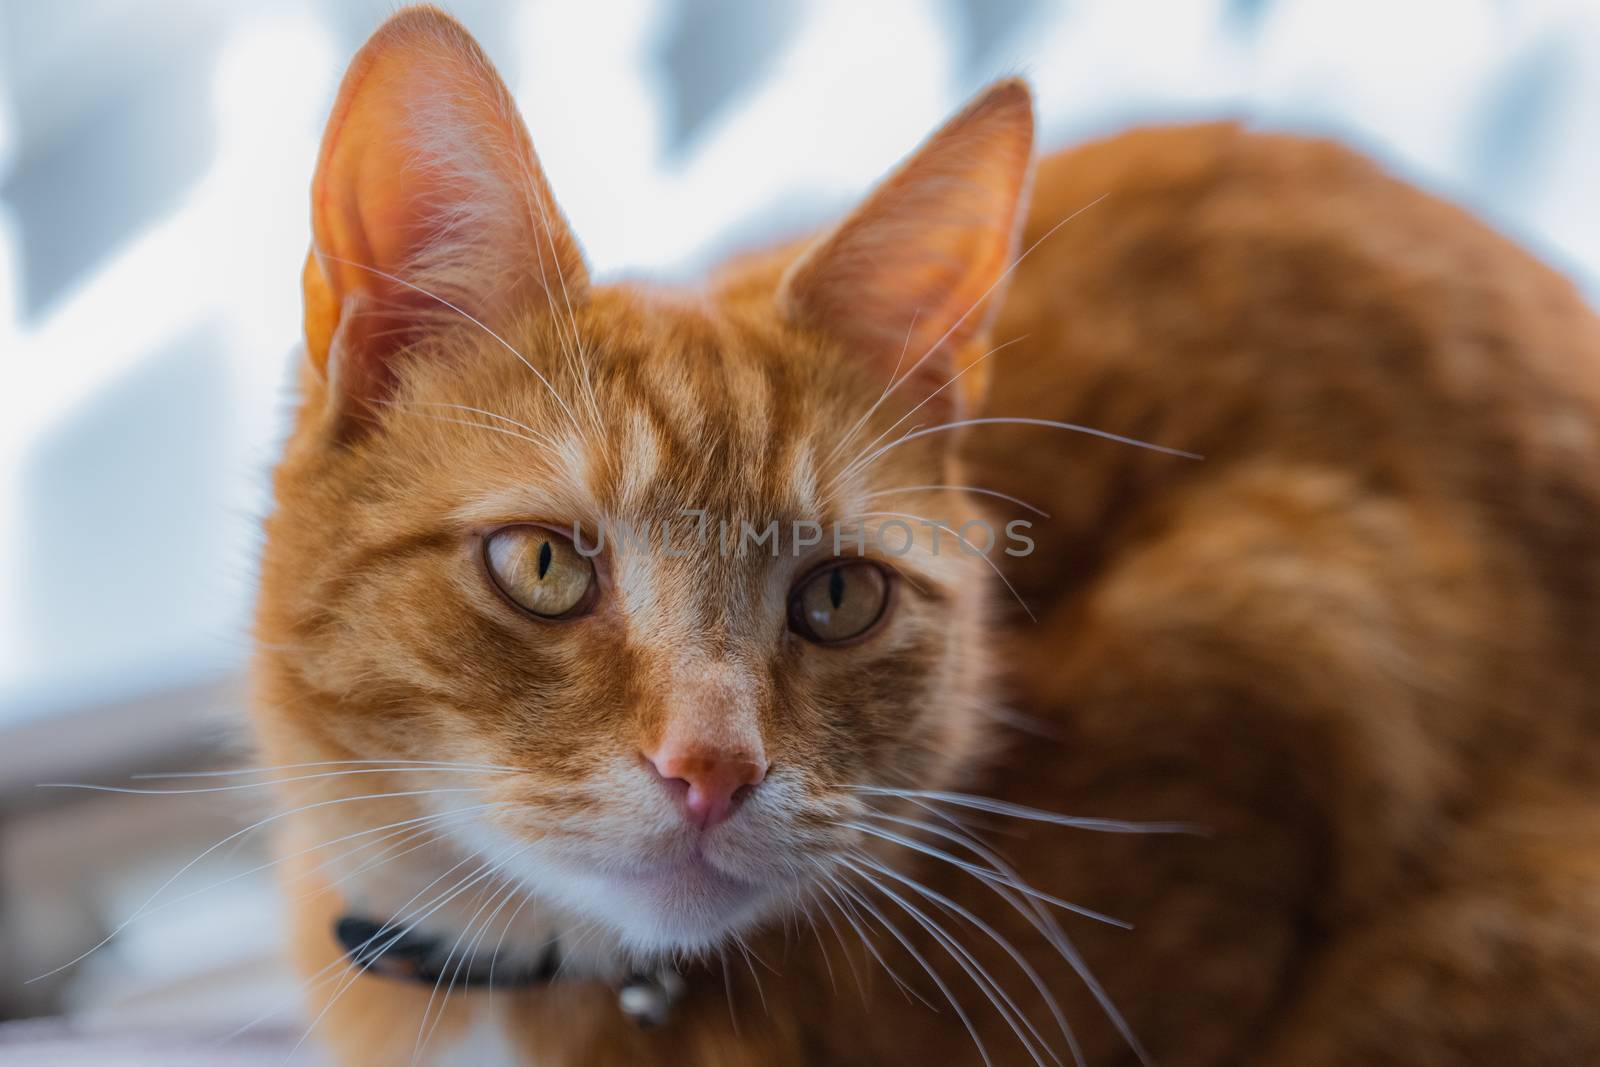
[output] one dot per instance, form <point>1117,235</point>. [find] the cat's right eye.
<point>540,571</point>
<point>839,602</point>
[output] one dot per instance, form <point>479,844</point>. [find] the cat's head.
<point>671,716</point>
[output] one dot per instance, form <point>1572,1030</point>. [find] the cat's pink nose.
<point>709,783</point>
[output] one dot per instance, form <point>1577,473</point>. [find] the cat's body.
<point>1355,641</point>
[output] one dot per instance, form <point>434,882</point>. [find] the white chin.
<point>668,907</point>
<point>680,910</point>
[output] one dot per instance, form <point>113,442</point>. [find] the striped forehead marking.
<point>641,456</point>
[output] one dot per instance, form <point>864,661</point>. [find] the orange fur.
<point>1355,641</point>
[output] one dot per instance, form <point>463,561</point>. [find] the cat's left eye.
<point>839,602</point>
<point>540,571</point>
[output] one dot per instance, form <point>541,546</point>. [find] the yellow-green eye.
<point>539,570</point>
<point>839,602</point>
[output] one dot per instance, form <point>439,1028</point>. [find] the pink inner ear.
<point>915,270</point>
<point>427,195</point>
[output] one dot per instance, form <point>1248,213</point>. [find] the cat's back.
<point>1288,291</point>
<point>1383,374</point>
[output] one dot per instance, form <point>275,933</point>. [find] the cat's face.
<point>642,559</point>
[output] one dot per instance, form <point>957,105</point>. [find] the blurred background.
<point>154,162</point>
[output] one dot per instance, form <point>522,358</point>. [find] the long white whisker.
<point>231,837</point>
<point>141,791</point>
<point>494,957</point>
<point>313,848</point>
<point>744,950</point>
<point>1003,1004</point>
<point>1019,420</point>
<point>996,284</point>
<point>396,765</point>
<point>1004,275</point>
<point>580,359</point>
<point>1017,957</point>
<point>808,902</point>
<point>1048,927</point>
<point>1019,811</point>
<point>1031,910</point>
<point>906,944</point>
<point>468,408</point>
<point>851,916</point>
<point>960,489</point>
<point>850,468</point>
<point>589,931</point>
<point>939,528</point>
<point>986,874</point>
<point>423,1039</point>
<point>325,974</point>
<point>484,870</point>
<point>727,989</point>
<point>428,834</point>
<point>541,441</point>
<point>905,346</point>
<point>827,917</point>
<point>855,428</point>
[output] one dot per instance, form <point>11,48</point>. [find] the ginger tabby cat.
<point>712,798</point>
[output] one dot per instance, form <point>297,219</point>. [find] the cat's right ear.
<point>911,278</point>
<point>428,202</point>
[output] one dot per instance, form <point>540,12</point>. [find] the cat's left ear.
<point>428,203</point>
<point>916,271</point>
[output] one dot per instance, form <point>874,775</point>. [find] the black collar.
<point>388,951</point>
<point>385,950</point>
